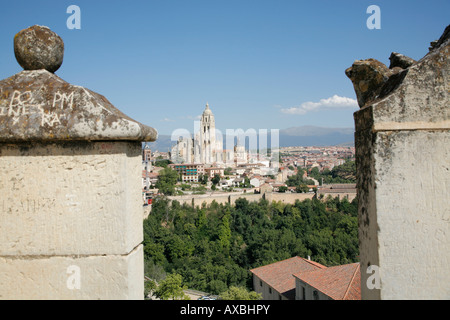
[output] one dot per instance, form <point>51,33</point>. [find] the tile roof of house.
<point>153,174</point>
<point>279,275</point>
<point>339,282</point>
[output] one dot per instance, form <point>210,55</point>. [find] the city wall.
<point>350,196</point>
<point>287,197</point>
<point>199,200</point>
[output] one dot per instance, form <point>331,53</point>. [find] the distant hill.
<point>162,144</point>
<point>315,136</point>
<point>291,137</point>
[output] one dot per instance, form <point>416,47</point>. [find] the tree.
<point>171,288</point>
<point>303,188</point>
<point>153,271</point>
<point>166,181</point>
<point>162,163</point>
<point>246,183</point>
<point>216,179</point>
<point>155,251</point>
<point>203,178</point>
<point>178,247</point>
<point>239,293</point>
<point>202,224</point>
<point>149,287</point>
<point>225,234</point>
<point>212,247</point>
<point>344,173</point>
<point>297,179</point>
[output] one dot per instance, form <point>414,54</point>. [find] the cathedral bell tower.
<point>207,136</point>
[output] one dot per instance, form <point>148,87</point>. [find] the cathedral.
<point>206,147</point>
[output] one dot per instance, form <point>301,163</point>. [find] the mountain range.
<point>291,137</point>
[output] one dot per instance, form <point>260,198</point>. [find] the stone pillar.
<point>71,190</point>
<point>402,144</point>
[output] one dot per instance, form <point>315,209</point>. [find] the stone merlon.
<point>402,143</point>
<point>405,97</point>
<point>37,105</point>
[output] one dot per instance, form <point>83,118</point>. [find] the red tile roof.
<point>339,283</point>
<point>279,275</point>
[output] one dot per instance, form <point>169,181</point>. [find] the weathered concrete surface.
<point>70,198</point>
<point>413,213</point>
<point>402,144</point>
<point>96,277</point>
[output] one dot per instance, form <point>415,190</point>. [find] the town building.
<point>322,158</point>
<point>240,155</point>
<point>302,279</point>
<point>333,283</point>
<point>340,190</point>
<point>212,171</point>
<point>189,172</point>
<point>276,281</point>
<point>146,153</point>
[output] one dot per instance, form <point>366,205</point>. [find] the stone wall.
<point>56,196</point>
<point>288,197</point>
<point>251,197</point>
<point>199,200</point>
<point>402,144</point>
<point>70,207</point>
<point>350,196</point>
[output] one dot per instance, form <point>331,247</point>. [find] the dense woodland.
<point>344,173</point>
<point>214,247</point>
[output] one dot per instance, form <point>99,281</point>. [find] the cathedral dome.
<point>207,109</point>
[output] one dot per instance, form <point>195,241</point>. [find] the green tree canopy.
<point>213,247</point>
<point>216,179</point>
<point>239,293</point>
<point>344,173</point>
<point>166,181</point>
<point>171,288</point>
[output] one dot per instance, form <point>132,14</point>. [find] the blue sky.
<point>261,64</point>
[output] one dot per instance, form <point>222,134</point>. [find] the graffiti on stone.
<point>25,104</point>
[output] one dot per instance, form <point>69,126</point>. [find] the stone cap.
<point>37,105</point>
<point>414,98</point>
